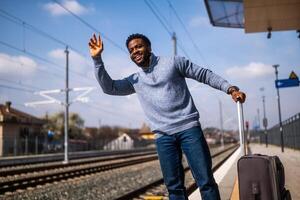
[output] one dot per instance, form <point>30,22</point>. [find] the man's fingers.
<point>95,39</point>
<point>92,41</point>
<point>91,45</point>
<point>99,41</point>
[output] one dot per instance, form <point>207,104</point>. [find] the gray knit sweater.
<point>162,91</point>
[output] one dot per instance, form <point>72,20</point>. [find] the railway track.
<point>69,173</point>
<point>59,157</point>
<point>47,174</point>
<point>28,168</point>
<point>156,189</point>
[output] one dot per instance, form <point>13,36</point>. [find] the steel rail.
<point>23,183</point>
<point>140,191</point>
<point>53,165</point>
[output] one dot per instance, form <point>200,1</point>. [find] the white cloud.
<point>72,5</point>
<point>252,70</point>
<point>58,54</point>
<point>199,21</point>
<point>16,65</point>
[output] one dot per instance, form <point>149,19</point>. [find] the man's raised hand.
<point>96,46</point>
<point>238,96</point>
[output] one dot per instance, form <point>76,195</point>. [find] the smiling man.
<point>168,105</point>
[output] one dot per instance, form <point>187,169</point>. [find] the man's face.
<point>139,52</point>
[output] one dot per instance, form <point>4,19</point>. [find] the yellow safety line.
<point>153,197</point>
<point>235,191</point>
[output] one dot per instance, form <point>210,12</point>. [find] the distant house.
<point>20,133</point>
<point>146,133</point>
<point>120,143</point>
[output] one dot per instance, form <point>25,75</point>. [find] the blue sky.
<point>243,59</point>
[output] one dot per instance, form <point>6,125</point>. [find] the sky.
<point>34,35</point>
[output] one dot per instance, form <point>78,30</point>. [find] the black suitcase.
<point>261,177</point>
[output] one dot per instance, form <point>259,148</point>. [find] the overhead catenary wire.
<point>158,17</point>
<point>162,17</point>
<point>187,32</point>
<point>91,105</point>
<point>21,84</point>
<point>164,25</point>
<point>25,24</point>
<point>41,58</point>
<point>91,27</point>
<point>42,70</point>
<point>16,88</point>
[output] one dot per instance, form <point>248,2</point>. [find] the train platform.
<point>226,175</point>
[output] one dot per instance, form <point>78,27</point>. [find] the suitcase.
<point>260,177</point>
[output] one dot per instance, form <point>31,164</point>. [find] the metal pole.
<point>26,144</point>
<point>258,116</point>
<point>241,128</point>
<point>221,123</point>
<point>279,110</point>
<point>15,145</point>
<point>174,39</point>
<point>265,121</point>
<point>66,160</point>
<point>36,144</point>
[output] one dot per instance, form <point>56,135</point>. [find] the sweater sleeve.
<point>190,70</point>
<point>112,87</point>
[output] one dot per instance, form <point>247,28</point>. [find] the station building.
<point>20,133</point>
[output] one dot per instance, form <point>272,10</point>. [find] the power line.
<point>91,27</point>
<point>41,58</point>
<point>157,17</point>
<point>162,16</point>
<point>163,24</point>
<point>31,54</point>
<point>16,88</point>
<point>186,31</point>
<point>42,70</point>
<point>21,84</point>
<point>21,22</point>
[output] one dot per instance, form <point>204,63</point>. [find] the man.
<point>168,105</point>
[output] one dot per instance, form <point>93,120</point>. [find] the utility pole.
<point>174,39</point>
<point>279,110</point>
<point>66,160</point>
<point>221,124</point>
<point>265,120</point>
<point>258,119</point>
<point>81,97</point>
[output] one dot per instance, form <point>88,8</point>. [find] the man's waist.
<point>179,125</point>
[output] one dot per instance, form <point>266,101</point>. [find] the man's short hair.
<point>136,36</point>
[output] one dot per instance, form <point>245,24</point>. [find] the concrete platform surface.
<point>291,162</point>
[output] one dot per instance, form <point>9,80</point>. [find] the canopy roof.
<point>255,15</point>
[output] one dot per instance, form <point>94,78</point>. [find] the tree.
<point>56,124</point>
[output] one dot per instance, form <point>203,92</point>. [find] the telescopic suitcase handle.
<point>241,127</point>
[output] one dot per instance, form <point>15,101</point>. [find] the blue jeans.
<point>195,148</point>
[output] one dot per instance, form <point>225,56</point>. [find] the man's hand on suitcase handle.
<point>236,94</point>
